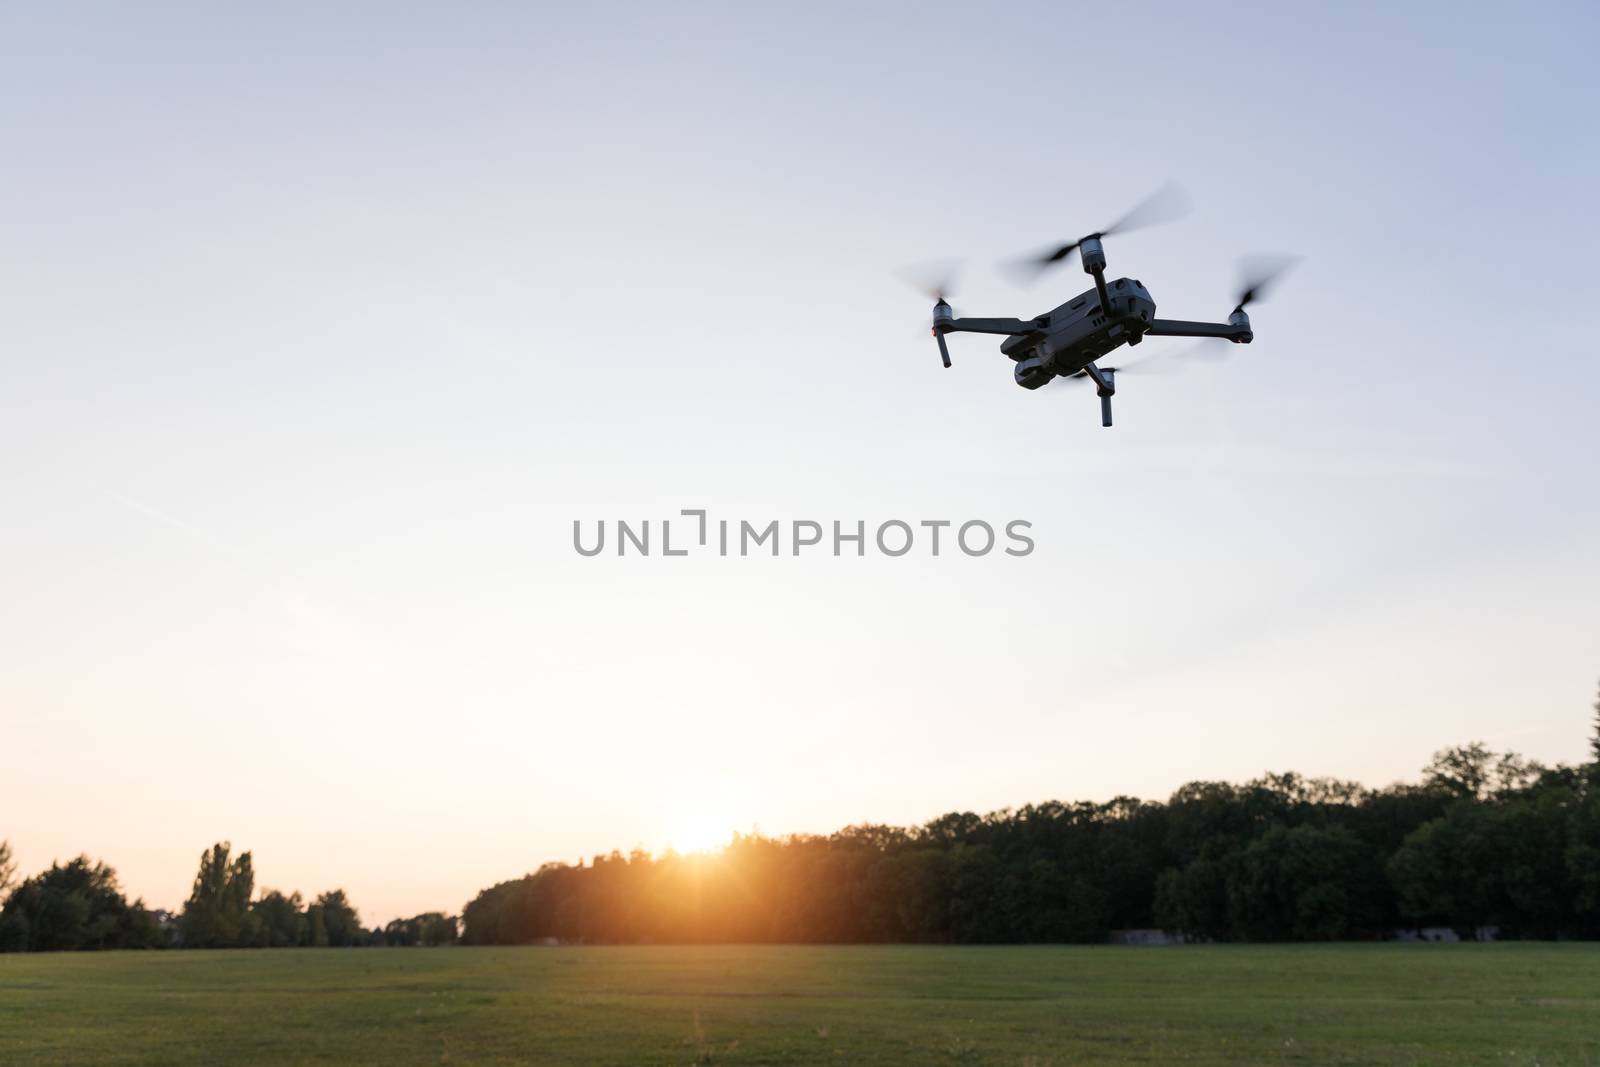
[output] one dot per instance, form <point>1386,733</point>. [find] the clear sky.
<point>321,324</point>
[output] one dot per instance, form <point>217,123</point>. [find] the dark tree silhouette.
<point>1487,839</point>
<point>1594,738</point>
<point>217,913</point>
<point>333,922</point>
<point>279,921</point>
<point>77,905</point>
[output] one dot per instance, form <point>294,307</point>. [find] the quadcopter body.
<point>1069,340</point>
<point>1080,332</point>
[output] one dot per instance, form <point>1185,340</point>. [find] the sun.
<point>701,816</point>
<point>697,831</point>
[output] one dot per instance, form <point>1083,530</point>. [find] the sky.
<point>320,325</point>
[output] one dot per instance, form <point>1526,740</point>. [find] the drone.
<point>1068,341</point>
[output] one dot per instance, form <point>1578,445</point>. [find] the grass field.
<point>1343,1004</point>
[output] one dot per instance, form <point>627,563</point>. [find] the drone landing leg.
<point>1105,382</point>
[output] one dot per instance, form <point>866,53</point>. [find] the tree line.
<point>1485,839</point>
<point>79,905</point>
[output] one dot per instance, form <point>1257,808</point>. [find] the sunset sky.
<point>321,327</point>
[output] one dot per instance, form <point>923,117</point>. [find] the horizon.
<point>326,328</point>
<point>706,848</point>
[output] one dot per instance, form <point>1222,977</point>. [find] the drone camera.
<point>1032,372</point>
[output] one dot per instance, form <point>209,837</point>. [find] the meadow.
<point>1022,1006</point>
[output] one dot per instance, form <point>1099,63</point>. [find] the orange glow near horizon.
<point>699,820</point>
<point>695,837</point>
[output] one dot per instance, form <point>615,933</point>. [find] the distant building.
<point>1446,933</point>
<point>1147,937</point>
<point>171,927</point>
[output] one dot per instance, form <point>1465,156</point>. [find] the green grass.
<point>1342,1004</point>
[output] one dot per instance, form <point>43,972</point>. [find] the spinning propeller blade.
<point>1150,365</point>
<point>1164,205</point>
<point>1257,275</point>
<point>1167,204</point>
<point>934,280</point>
<point>1212,350</point>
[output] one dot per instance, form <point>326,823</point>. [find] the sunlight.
<point>701,816</point>
<point>698,831</point>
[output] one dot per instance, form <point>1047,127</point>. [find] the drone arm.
<point>1006,326</point>
<point>1239,332</point>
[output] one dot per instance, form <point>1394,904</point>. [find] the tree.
<point>1594,741</point>
<point>217,913</point>
<point>1489,839</point>
<point>982,897</point>
<point>334,922</point>
<point>1464,770</point>
<point>1306,883</point>
<point>1583,862</point>
<point>430,928</point>
<point>315,932</point>
<point>1475,771</point>
<point>1515,774</point>
<point>1500,864</point>
<point>280,921</point>
<point>75,906</point>
<point>8,869</point>
<point>1194,899</point>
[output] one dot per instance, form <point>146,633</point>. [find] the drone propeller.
<point>934,279</point>
<point>1259,273</point>
<point>1164,205</point>
<point>1213,350</point>
<point>1151,365</point>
